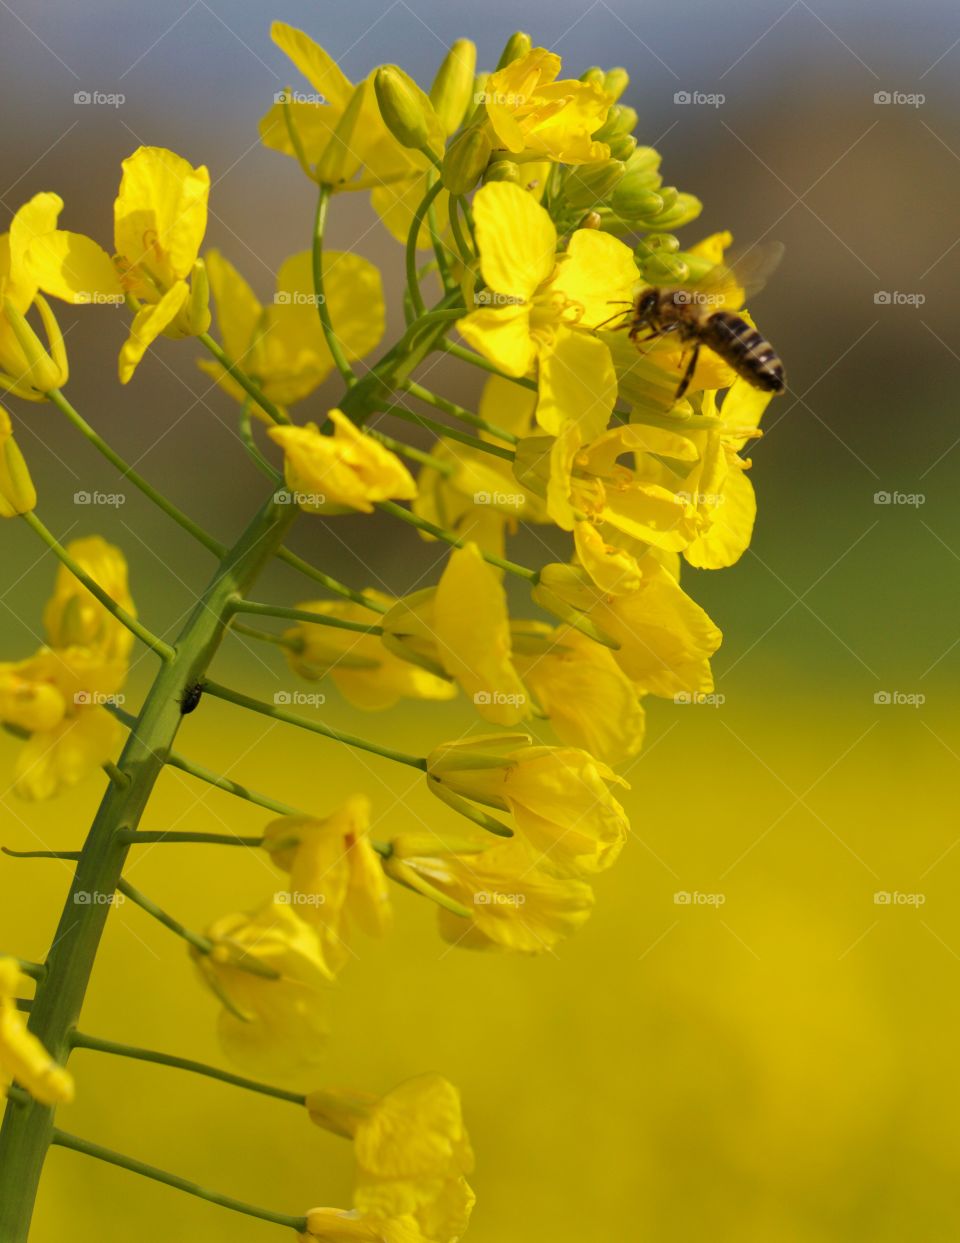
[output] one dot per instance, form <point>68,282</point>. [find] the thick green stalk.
<point>28,1130</point>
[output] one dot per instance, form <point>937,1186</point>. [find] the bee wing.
<point>731,284</point>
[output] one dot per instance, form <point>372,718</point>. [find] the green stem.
<point>203,944</point>
<point>35,970</point>
<point>315,727</point>
<point>64,1140</point>
<point>333,341</point>
<point>230,787</point>
<point>79,1040</point>
<point>450,433</point>
<point>264,636</point>
<point>413,284</point>
<point>466,254</point>
<point>477,360</point>
<point>40,854</point>
<point>331,584</point>
<point>250,444</point>
<point>458,412</point>
<point>27,1133</point>
<point>390,507</point>
<point>408,451</point>
<point>138,481</point>
<point>302,615</point>
<point>163,650</point>
<point>139,837</point>
<point>241,377</point>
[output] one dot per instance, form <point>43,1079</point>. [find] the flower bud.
<point>592,183</point>
<point>452,88</point>
<point>45,370</point>
<point>404,107</point>
<point>622,146</point>
<point>666,269</point>
<point>17,493</point>
<point>615,82</point>
<point>620,120</point>
<point>594,76</point>
<point>632,202</point>
<point>644,160</point>
<point>686,208</point>
<point>654,244</point>
<point>518,45</point>
<point>502,170</point>
<point>466,159</point>
<point>194,316</point>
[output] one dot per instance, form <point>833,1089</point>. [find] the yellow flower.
<point>509,902</point>
<point>336,879</point>
<point>542,309</point>
<point>282,345</point>
<point>365,672</point>
<point>462,625</point>
<point>665,638</point>
<point>274,1012</point>
<point>412,1153</point>
<point>721,490</point>
<point>559,796</point>
<point>26,368</point>
<point>17,493</point>
<point>348,470</point>
<point>22,1057</point>
<point>396,175</point>
<point>160,217</point>
<point>73,617</point>
<point>335,1225</point>
<point>590,701</point>
<point>481,500</point>
<point>531,113</point>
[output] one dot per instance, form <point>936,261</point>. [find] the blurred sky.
<point>789,1075</point>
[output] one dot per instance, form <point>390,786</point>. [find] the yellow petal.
<point>501,335</point>
<point>66,265</point>
<point>727,537</point>
<point>160,217</point>
<point>316,65</point>
<point>577,384</point>
<point>238,308</point>
<point>57,759</point>
<point>517,239</point>
<point>148,323</point>
<point>598,273</point>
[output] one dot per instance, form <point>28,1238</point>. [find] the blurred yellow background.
<point>780,1066</point>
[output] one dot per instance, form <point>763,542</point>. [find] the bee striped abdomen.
<point>745,350</point>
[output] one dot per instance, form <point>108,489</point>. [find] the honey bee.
<point>705,315</point>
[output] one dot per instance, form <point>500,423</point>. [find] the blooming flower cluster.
<point>524,198</point>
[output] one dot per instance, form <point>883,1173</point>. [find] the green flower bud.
<point>519,44</point>
<point>594,76</point>
<point>615,82</point>
<point>622,146</point>
<point>631,201</point>
<point>592,183</point>
<point>653,244</point>
<point>17,493</point>
<point>502,170</point>
<point>686,208</point>
<point>666,269</point>
<point>43,371</point>
<point>452,89</point>
<point>620,120</point>
<point>466,159</point>
<point>644,159</point>
<point>194,316</point>
<point>406,110</point>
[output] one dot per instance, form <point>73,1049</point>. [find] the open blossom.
<point>160,217</point>
<point>282,345</point>
<point>541,308</point>
<point>348,470</point>
<point>336,879</point>
<point>559,796</point>
<point>27,370</point>
<point>268,970</point>
<point>23,1059</point>
<point>508,902</point>
<point>412,1155</point>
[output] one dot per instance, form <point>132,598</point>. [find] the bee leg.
<point>688,374</point>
